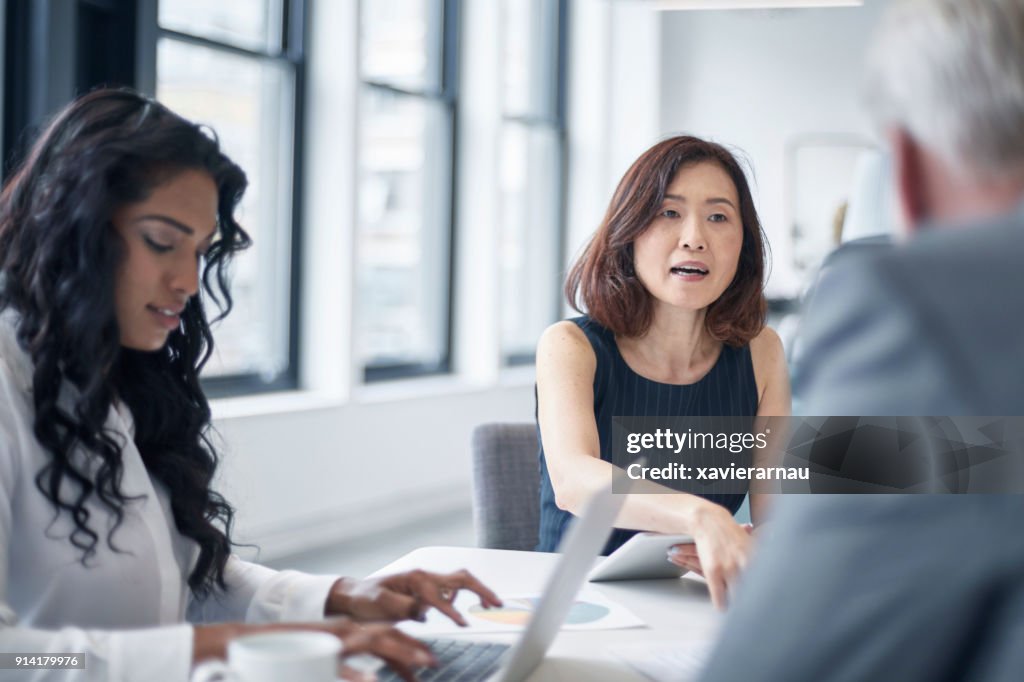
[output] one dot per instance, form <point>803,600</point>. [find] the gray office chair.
<point>506,486</point>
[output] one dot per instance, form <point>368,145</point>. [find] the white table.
<point>675,611</point>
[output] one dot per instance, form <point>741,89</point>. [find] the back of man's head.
<point>949,74</point>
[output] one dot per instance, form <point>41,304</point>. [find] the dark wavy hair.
<point>59,256</point>
<point>603,279</point>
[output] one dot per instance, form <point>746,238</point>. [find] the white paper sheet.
<point>591,611</point>
<point>666,661</point>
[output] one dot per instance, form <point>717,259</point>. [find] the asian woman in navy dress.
<point>672,285</point>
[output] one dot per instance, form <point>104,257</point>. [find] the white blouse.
<point>128,611</point>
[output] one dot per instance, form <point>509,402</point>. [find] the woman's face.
<point>164,236</point>
<point>688,255</point>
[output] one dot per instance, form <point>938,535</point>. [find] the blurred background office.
<point>422,172</point>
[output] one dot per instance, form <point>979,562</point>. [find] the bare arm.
<point>565,375</point>
<point>772,378</point>
<point>565,396</point>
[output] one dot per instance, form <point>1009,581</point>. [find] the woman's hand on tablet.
<point>719,552</point>
<point>685,555</point>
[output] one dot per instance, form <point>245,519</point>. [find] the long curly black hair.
<point>59,255</point>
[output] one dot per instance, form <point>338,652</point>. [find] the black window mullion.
<point>295,29</point>
<point>222,46</point>
<point>562,124</point>
<point>533,121</point>
<point>450,49</point>
<point>450,92</point>
<point>406,91</point>
<point>147,30</point>
<point>562,66</point>
<point>453,154</point>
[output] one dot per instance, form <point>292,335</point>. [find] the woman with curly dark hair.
<point>675,326</point>
<point>112,541</point>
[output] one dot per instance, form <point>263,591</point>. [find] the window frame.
<point>446,93</point>
<point>558,124</point>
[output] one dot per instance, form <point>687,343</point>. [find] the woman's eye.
<point>718,218</point>
<point>670,213</point>
<point>157,246</point>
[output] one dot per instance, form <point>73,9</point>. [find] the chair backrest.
<point>506,486</point>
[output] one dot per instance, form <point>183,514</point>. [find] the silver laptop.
<point>463,660</point>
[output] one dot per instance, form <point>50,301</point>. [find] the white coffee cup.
<point>276,656</point>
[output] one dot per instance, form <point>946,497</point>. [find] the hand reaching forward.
<point>405,595</point>
<point>719,553</point>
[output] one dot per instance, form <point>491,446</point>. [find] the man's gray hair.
<point>951,72</point>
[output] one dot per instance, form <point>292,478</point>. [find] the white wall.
<point>755,79</point>
<point>305,477</point>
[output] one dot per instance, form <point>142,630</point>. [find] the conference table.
<point>676,612</point>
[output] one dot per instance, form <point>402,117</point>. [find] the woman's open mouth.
<point>690,271</point>
<point>165,317</point>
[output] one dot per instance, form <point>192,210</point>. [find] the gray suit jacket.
<point>898,587</point>
<point>934,327</point>
<point>877,588</point>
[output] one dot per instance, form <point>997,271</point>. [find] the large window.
<point>237,67</point>
<point>532,171</point>
<point>407,104</point>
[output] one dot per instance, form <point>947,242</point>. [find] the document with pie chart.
<point>590,611</point>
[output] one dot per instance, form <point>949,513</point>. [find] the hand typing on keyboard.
<point>405,595</point>
<point>457,661</point>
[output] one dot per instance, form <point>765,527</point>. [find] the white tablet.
<point>643,557</point>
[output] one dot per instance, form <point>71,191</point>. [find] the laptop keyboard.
<point>458,661</point>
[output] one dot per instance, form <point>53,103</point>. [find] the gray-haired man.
<point>902,587</point>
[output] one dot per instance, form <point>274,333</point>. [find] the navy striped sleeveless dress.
<point>728,389</point>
